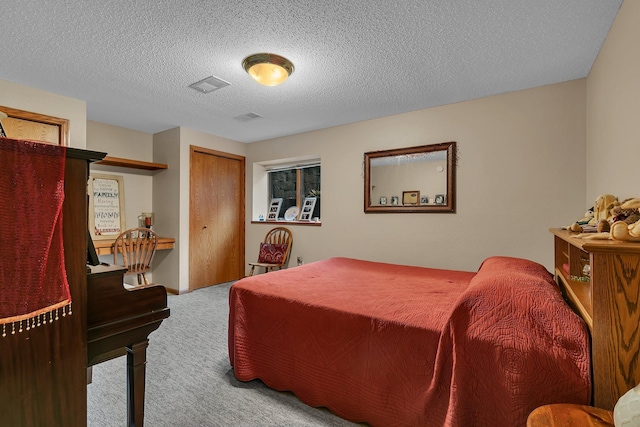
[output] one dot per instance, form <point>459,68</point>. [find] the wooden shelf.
<point>105,247</point>
<point>606,297</point>
<point>579,296</point>
<point>128,163</point>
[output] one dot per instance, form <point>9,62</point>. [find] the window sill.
<point>311,223</point>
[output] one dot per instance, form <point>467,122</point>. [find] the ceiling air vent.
<point>209,84</point>
<point>247,117</point>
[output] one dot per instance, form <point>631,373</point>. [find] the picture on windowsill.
<point>439,199</point>
<point>274,209</point>
<point>307,208</point>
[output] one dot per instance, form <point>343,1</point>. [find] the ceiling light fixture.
<point>268,69</point>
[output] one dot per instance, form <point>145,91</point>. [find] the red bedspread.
<point>394,345</point>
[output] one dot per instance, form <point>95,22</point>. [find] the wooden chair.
<point>274,251</point>
<point>137,247</point>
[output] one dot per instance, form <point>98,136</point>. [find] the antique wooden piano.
<point>43,372</point>
<point>119,321</point>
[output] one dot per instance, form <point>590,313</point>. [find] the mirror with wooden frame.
<point>413,179</point>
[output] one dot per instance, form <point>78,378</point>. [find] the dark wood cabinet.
<point>43,371</point>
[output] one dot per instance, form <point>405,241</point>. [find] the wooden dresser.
<point>608,298</point>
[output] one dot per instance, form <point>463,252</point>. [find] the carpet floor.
<point>189,380</point>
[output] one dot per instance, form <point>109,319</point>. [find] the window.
<point>294,184</point>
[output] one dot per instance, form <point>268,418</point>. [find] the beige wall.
<point>613,110</point>
<point>131,144</point>
<point>521,170</point>
<point>121,142</point>
<point>26,98</point>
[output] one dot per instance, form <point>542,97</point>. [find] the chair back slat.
<point>137,247</point>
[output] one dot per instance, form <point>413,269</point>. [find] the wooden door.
<point>216,223</point>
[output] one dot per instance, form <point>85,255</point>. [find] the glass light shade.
<point>268,74</point>
<point>267,68</point>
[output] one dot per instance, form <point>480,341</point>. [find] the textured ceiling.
<point>133,60</point>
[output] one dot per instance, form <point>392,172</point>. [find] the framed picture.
<point>22,124</point>
<point>106,206</point>
<point>274,209</point>
<point>307,208</point>
<point>410,197</point>
<point>383,200</point>
<point>394,200</point>
<point>439,199</point>
<point>424,200</point>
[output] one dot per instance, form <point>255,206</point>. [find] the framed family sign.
<point>106,206</point>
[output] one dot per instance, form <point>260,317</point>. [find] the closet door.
<point>216,223</point>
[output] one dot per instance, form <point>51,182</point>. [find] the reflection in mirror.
<point>415,179</point>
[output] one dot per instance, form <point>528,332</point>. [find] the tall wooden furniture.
<point>43,374</point>
<point>43,371</point>
<point>608,298</point>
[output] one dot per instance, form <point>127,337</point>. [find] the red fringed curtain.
<point>33,279</point>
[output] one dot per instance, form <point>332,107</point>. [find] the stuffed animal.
<point>602,208</point>
<point>588,216</point>
<point>610,220</point>
<point>626,232</point>
<point>627,211</point>
<point>626,221</point>
<point>600,211</point>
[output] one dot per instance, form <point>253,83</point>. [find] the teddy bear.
<point>601,211</point>
<point>628,228</point>
<point>602,208</point>
<point>627,211</point>
<point>621,231</point>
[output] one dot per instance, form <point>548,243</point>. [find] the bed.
<point>394,345</point>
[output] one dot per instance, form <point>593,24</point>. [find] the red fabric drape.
<point>33,278</point>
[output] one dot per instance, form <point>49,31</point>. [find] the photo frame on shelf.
<point>106,206</point>
<point>383,200</point>
<point>274,209</point>
<point>307,208</point>
<point>424,200</point>
<point>394,200</point>
<point>410,198</point>
<point>440,199</point>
